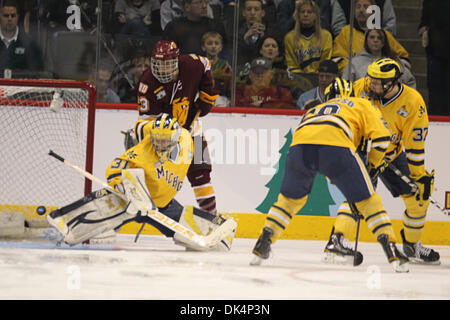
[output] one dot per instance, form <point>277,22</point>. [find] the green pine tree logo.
<point>319,200</point>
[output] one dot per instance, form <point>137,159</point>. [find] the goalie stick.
<point>202,241</point>
<point>415,187</point>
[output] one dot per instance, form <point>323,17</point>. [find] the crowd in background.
<point>287,50</point>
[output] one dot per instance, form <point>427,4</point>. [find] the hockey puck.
<point>41,210</point>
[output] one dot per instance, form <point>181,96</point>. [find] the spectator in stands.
<point>271,48</point>
<point>340,13</point>
<point>187,31</point>
<point>307,44</point>
<point>212,45</point>
<point>375,47</point>
<point>342,41</point>
<point>102,82</point>
<point>260,93</point>
<point>127,86</point>
<point>171,9</point>
<point>252,30</point>
<point>19,54</point>
<point>328,71</point>
<point>434,28</point>
<point>285,18</point>
<point>138,17</point>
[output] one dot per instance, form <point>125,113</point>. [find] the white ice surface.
<point>155,268</point>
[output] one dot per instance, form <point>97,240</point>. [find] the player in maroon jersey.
<point>181,85</point>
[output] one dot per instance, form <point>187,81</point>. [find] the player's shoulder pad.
<point>415,105</point>
<point>195,61</point>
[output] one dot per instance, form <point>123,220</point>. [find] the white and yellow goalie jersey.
<point>163,178</point>
<point>407,118</point>
<point>345,122</point>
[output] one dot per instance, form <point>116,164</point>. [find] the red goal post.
<point>38,116</point>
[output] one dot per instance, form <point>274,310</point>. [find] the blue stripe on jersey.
<point>327,123</point>
<point>112,176</point>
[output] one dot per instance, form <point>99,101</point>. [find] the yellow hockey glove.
<point>181,110</point>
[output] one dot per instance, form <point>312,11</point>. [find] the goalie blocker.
<point>102,211</point>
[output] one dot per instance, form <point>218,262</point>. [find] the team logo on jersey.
<point>395,138</point>
<point>160,93</point>
<point>131,154</point>
<point>422,111</point>
<point>402,112</point>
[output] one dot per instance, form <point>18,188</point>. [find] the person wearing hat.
<point>260,92</point>
<point>328,70</point>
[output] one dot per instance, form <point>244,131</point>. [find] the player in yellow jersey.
<point>164,157</point>
<point>405,112</point>
<point>325,142</point>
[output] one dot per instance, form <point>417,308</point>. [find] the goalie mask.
<point>339,88</point>
<point>164,61</point>
<point>384,74</point>
<point>165,133</point>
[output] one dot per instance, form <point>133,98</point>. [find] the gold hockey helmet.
<point>385,69</point>
<point>339,88</point>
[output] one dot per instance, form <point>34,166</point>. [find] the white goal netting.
<point>36,117</point>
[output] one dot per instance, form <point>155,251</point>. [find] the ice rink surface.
<point>156,269</point>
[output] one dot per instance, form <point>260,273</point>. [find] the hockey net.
<point>38,116</point>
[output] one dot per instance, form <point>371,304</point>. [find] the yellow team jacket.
<point>345,122</point>
<point>342,43</point>
<point>407,117</point>
<point>306,54</point>
<point>163,180</point>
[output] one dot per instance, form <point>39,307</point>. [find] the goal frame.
<point>91,106</point>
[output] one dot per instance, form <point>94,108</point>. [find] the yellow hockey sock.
<point>414,218</point>
<point>346,221</point>
<point>281,213</point>
<point>376,217</point>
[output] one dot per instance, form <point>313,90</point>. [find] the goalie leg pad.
<point>203,223</point>
<point>173,211</point>
<point>94,214</point>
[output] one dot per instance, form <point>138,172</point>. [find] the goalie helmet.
<point>165,133</point>
<point>387,71</point>
<point>339,88</point>
<point>164,61</point>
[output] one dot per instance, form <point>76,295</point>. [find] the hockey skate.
<point>397,259</point>
<point>262,250</point>
<point>339,251</point>
<point>418,254</point>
